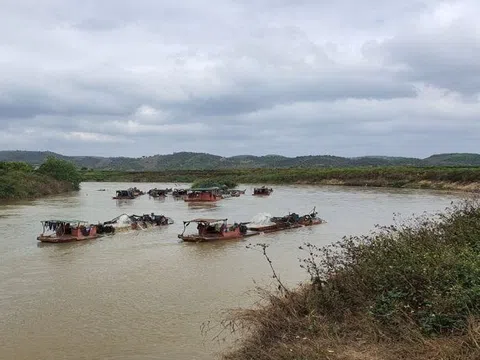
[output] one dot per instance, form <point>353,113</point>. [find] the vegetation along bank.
<point>19,180</point>
<point>446,178</point>
<point>407,291</point>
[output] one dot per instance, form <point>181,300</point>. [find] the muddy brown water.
<point>145,295</point>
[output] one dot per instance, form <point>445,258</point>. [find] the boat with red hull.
<point>156,193</point>
<point>203,195</point>
<point>62,231</point>
<point>290,221</point>
<point>234,192</point>
<point>215,229</point>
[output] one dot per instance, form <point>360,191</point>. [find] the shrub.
<point>15,166</point>
<point>215,182</point>
<point>61,170</point>
<point>425,272</point>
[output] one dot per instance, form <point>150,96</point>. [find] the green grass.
<point>400,177</point>
<point>407,291</point>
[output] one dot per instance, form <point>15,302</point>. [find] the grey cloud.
<point>230,77</point>
<point>445,57</point>
<point>266,94</point>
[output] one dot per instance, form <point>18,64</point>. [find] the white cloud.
<point>146,111</point>
<point>91,137</point>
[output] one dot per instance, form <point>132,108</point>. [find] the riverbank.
<point>20,181</point>
<point>441,178</point>
<point>408,291</point>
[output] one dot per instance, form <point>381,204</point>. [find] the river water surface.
<point>146,295</point>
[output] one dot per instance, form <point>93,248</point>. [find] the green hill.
<point>460,159</point>
<point>203,161</point>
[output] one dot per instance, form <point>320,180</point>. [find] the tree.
<point>61,170</point>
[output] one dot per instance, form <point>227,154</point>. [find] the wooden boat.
<point>158,192</point>
<point>204,195</point>
<point>235,192</point>
<point>215,229</point>
<point>127,222</point>
<point>136,191</point>
<point>290,221</point>
<point>124,194</point>
<point>67,231</point>
<point>262,191</point>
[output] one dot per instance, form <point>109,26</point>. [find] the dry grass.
<point>286,328</point>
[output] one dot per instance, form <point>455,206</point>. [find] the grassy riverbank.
<point>19,180</point>
<point>448,178</point>
<point>408,291</point>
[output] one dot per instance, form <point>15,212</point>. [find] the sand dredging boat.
<point>61,231</point>
<point>214,229</point>
<point>269,224</point>
<point>220,229</point>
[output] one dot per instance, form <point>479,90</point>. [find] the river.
<point>145,295</point>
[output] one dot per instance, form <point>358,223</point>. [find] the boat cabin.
<point>262,191</point>
<point>204,194</point>
<point>127,222</point>
<point>179,192</point>
<point>124,194</point>
<point>57,231</point>
<point>214,229</point>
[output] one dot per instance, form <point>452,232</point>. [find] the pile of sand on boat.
<point>127,222</point>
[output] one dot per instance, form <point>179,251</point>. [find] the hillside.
<point>203,161</point>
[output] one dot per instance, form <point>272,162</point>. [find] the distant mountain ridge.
<point>203,161</point>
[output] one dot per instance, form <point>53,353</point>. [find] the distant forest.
<point>202,161</point>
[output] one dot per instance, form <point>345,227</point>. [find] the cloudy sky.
<point>229,77</point>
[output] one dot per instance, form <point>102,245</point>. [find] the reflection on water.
<point>124,203</point>
<point>144,295</point>
<point>203,205</point>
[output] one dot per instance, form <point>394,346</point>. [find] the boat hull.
<point>280,227</point>
<point>198,238</point>
<point>202,200</point>
<point>65,238</point>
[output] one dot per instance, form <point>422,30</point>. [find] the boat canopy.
<point>66,220</point>
<point>71,221</point>
<point>208,221</point>
<point>205,189</point>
